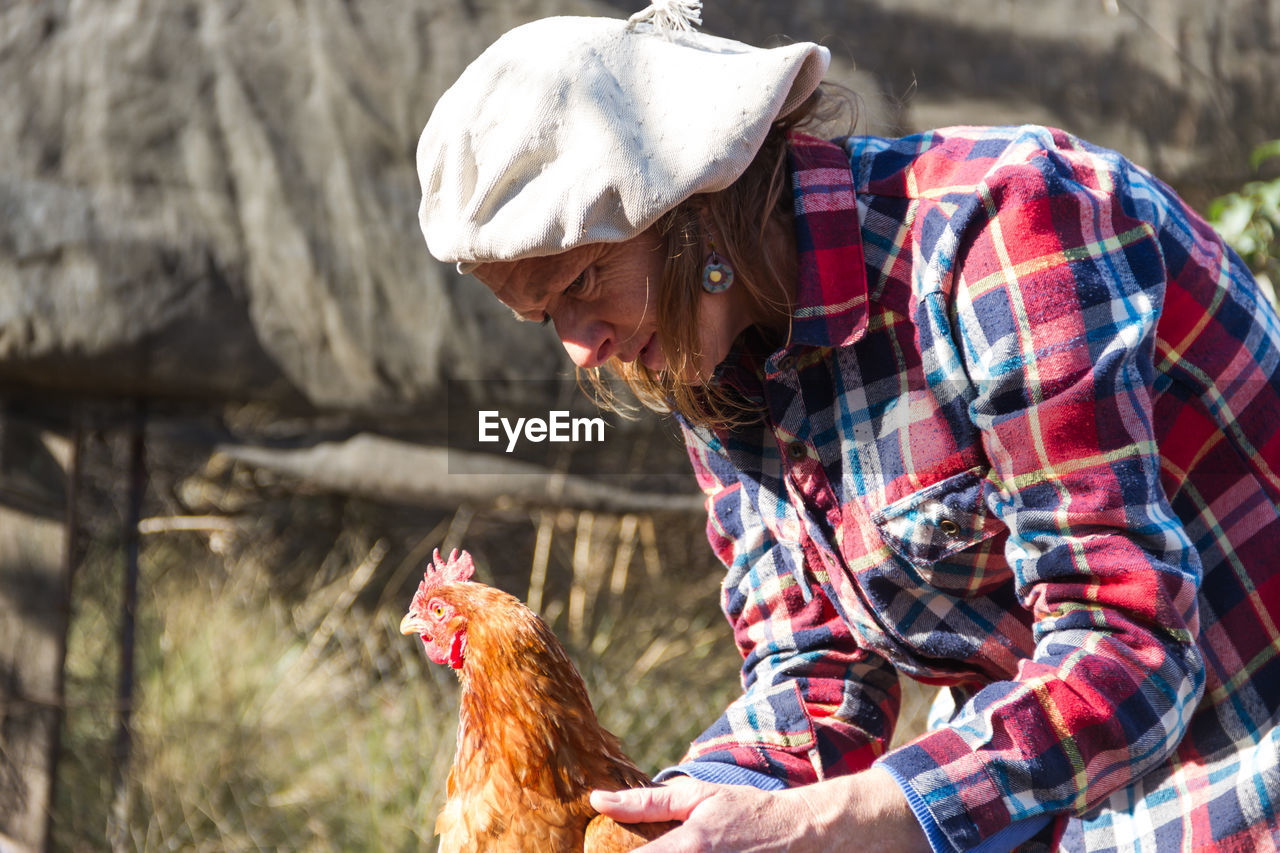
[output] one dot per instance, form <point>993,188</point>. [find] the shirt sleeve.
<point>814,704</point>
<point>1056,293</point>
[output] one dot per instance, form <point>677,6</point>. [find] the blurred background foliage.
<point>1249,218</point>
<point>277,706</point>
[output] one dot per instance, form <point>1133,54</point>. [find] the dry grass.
<point>278,708</point>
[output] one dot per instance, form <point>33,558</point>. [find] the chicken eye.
<point>438,611</point>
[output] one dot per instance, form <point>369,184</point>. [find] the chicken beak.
<point>411,624</point>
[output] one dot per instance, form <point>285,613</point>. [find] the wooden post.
<point>33,625</point>
<point>71,560</point>
<point>118,831</point>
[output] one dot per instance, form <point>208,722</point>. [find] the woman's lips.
<point>651,355</point>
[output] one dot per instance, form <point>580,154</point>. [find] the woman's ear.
<point>704,222</point>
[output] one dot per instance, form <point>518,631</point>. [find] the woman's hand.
<point>868,808</point>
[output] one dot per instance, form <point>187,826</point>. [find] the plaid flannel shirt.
<point>1023,441</point>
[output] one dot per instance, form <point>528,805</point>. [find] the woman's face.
<point>603,299</point>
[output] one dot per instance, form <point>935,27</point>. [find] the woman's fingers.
<point>714,818</point>
<point>868,807</point>
<point>675,801</point>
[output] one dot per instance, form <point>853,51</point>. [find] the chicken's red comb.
<point>457,568</point>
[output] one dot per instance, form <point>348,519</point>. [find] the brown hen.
<point>530,749</point>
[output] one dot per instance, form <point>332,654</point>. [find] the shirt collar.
<point>831,282</point>
<point>831,285</point>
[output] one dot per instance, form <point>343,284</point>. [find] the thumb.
<point>645,805</point>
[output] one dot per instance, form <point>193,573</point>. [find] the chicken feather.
<point>530,749</point>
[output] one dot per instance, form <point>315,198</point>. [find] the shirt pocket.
<point>943,531</point>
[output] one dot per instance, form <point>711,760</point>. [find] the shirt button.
<point>948,527</point>
<point>797,451</point>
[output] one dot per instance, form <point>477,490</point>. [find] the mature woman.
<point>987,407</point>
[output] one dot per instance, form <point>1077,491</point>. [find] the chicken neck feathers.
<point>530,748</point>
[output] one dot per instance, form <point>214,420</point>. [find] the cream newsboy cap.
<point>570,130</point>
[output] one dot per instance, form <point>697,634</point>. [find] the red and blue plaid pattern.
<point>1022,442</point>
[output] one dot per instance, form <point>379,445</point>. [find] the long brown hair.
<point>741,215</point>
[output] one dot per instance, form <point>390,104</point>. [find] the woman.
<point>989,407</point>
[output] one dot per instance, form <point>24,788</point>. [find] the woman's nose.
<point>588,344</point>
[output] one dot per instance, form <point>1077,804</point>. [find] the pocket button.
<point>948,527</point>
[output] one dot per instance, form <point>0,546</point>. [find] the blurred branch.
<point>541,558</point>
<point>458,526</point>
<point>171,523</point>
<point>356,583</point>
<point>390,470</point>
<point>414,560</point>
<point>583,569</point>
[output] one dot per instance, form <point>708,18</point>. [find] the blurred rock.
<point>1183,87</point>
<point>217,201</point>
<point>214,201</point>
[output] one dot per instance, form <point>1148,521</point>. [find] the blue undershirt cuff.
<point>721,774</point>
<point>1002,842</point>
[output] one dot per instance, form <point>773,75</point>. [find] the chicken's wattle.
<point>457,649</point>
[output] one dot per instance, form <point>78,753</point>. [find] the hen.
<point>530,749</point>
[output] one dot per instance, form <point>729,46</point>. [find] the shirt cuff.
<point>1002,842</point>
<point>721,774</point>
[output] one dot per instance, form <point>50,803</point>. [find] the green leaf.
<point>1249,219</point>
<point>1263,153</point>
<point>1269,199</point>
<point>1232,215</point>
